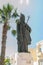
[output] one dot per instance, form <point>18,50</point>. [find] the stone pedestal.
<point>23,59</point>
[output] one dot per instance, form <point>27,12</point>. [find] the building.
<point>40,52</point>
<point>37,53</point>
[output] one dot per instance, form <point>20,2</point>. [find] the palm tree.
<point>5,14</point>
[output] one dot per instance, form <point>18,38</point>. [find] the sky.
<point>32,8</point>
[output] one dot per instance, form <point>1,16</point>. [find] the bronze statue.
<point>23,35</point>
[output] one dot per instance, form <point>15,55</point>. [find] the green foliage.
<point>17,21</point>
<point>14,32</point>
<point>7,61</point>
<point>2,14</point>
<point>9,8</point>
<point>15,14</point>
<point>1,11</point>
<point>5,12</point>
<point>8,27</point>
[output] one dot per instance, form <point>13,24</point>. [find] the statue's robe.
<point>23,36</point>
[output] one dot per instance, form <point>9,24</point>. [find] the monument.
<point>23,40</point>
<point>23,35</point>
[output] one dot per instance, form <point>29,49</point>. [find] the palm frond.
<point>2,14</point>
<point>8,27</point>
<point>15,14</point>
<point>5,10</point>
<point>9,8</point>
<point>1,11</point>
<point>3,17</point>
<point>14,32</point>
<point>17,21</point>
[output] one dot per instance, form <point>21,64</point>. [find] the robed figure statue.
<point>23,34</point>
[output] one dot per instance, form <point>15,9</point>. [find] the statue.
<point>23,35</point>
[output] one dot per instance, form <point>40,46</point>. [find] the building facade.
<point>37,53</point>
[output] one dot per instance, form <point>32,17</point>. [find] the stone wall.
<point>24,59</point>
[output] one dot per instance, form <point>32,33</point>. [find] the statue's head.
<point>22,18</point>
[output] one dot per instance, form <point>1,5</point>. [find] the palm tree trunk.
<point>3,48</point>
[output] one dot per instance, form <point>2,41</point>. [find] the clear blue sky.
<point>35,10</point>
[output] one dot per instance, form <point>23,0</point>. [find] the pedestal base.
<point>24,59</point>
